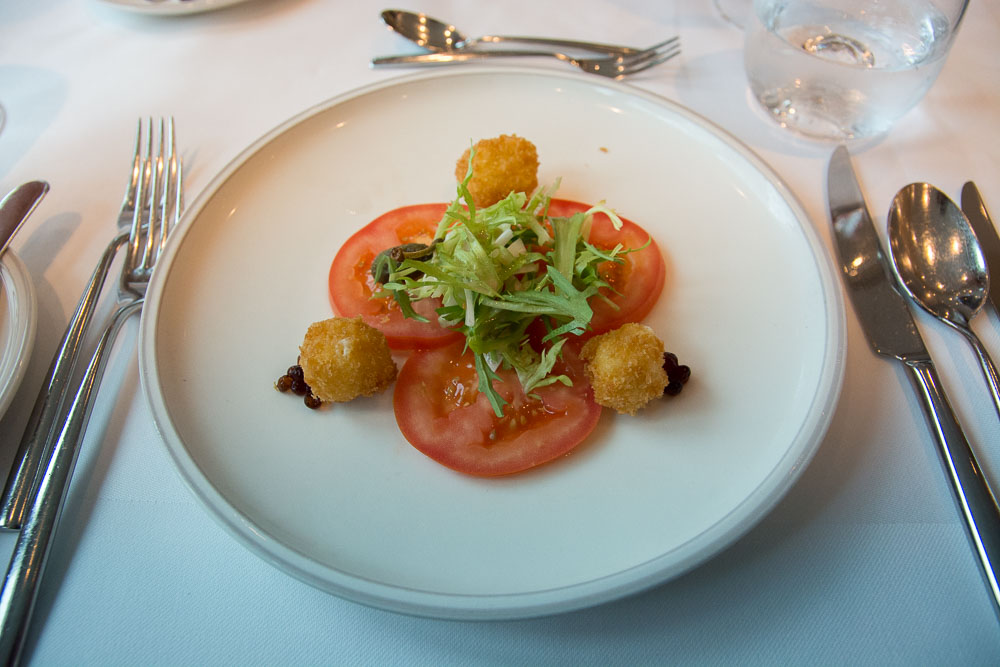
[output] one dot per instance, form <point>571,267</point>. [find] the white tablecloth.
<point>864,561</point>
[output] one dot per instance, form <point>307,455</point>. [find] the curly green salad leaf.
<point>496,270</point>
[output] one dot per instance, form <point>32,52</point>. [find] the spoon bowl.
<point>440,37</point>
<point>936,253</point>
<point>940,264</point>
<point>424,31</point>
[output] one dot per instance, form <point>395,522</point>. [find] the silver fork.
<point>615,67</point>
<point>51,401</point>
<point>159,200</point>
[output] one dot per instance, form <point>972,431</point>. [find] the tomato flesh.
<point>351,285</point>
<point>441,412</point>
<point>638,281</point>
<point>437,403</point>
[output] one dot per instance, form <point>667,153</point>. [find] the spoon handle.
<point>975,499</point>
<point>989,368</point>
<point>456,57</point>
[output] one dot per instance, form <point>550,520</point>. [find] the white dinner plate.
<point>171,7</point>
<point>338,498</point>
<point>17,325</point>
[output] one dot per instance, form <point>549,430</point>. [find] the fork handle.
<point>40,431</point>
<point>975,499</point>
<point>17,599</point>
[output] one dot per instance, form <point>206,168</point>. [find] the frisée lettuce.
<point>499,269</point>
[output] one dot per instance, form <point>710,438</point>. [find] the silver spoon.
<point>441,37</point>
<point>940,263</point>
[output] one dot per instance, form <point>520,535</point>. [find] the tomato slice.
<point>441,413</point>
<point>350,283</point>
<point>638,281</point>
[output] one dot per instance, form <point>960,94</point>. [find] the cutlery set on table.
<point>937,262</point>
<point>446,46</point>
<point>36,487</point>
<point>348,527</point>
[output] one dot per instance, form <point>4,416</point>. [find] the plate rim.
<point>170,8</point>
<point>20,297</point>
<point>507,606</point>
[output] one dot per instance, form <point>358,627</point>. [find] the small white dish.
<point>339,499</point>
<point>171,7</point>
<point>17,325</point>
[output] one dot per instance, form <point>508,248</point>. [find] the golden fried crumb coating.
<point>343,358</point>
<point>502,165</point>
<point>625,367</point>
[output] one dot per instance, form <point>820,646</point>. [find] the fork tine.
<point>154,203</point>
<point>671,46</point>
<point>130,191</point>
<point>160,200</point>
<point>633,68</point>
<point>655,47</point>
<point>178,201</point>
<point>142,198</point>
<point>172,188</point>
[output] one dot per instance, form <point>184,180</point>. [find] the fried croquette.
<point>501,165</point>
<point>625,367</point>
<point>344,358</point>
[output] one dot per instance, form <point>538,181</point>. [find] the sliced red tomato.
<point>351,285</point>
<point>638,281</point>
<point>441,412</point>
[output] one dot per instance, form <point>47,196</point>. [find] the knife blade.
<point>884,314</point>
<point>16,207</point>
<point>891,332</point>
<point>975,210</point>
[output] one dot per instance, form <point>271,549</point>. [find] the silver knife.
<point>889,327</point>
<point>975,210</point>
<point>17,206</point>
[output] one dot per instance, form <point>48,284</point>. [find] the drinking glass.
<point>734,11</point>
<point>846,69</point>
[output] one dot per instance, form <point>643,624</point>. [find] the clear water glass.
<point>734,11</point>
<point>846,69</point>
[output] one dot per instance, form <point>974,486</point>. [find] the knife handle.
<point>976,500</point>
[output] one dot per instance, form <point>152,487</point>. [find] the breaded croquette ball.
<point>625,367</point>
<point>343,358</point>
<point>502,165</point>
